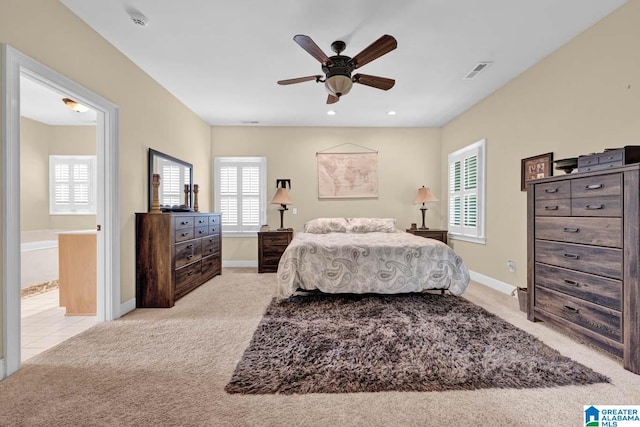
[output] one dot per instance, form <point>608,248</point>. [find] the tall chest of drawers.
<point>583,239</point>
<point>175,253</point>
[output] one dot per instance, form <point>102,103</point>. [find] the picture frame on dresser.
<point>535,167</point>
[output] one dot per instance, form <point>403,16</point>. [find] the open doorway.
<point>57,217</point>
<point>14,66</point>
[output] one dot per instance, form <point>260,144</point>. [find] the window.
<point>72,185</point>
<point>467,193</point>
<point>241,193</point>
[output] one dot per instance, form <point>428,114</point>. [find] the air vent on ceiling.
<point>249,122</point>
<point>477,69</point>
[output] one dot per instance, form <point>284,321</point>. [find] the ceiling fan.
<point>337,69</point>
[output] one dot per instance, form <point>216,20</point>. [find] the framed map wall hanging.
<point>347,175</point>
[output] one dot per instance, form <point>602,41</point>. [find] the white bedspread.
<point>384,263</point>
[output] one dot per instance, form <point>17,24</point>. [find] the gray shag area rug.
<point>411,342</point>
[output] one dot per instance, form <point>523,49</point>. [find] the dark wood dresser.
<point>583,239</point>
<point>175,253</point>
<point>271,246</point>
<point>429,233</point>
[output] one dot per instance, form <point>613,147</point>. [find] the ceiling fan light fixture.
<point>338,85</point>
<point>78,108</point>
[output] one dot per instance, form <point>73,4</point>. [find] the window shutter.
<point>466,192</point>
<point>240,193</point>
<point>72,185</point>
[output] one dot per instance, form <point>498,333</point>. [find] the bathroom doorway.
<point>14,66</point>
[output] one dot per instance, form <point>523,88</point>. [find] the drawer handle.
<point>190,273</point>
<point>593,186</point>
<point>185,234</point>
<point>571,256</point>
<point>551,208</point>
<point>571,309</point>
<point>571,229</point>
<point>190,246</point>
<point>200,221</point>
<point>551,190</point>
<point>571,282</point>
<point>594,207</point>
<point>189,256</point>
<point>185,223</point>
<point>201,231</point>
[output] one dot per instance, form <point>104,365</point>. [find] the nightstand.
<point>430,233</point>
<point>271,246</point>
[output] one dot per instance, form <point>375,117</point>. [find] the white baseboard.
<point>490,282</point>
<point>241,263</point>
<point>2,369</point>
<point>127,306</point>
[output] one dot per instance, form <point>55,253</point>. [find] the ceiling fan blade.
<point>374,81</point>
<point>332,99</point>
<point>299,80</point>
<point>383,45</point>
<point>311,47</point>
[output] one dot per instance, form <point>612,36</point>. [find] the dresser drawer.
<point>597,206</point>
<point>187,252</point>
<point>182,222</point>
<point>589,259</point>
<point>211,266</point>
<point>214,229</point>
<point>553,190</point>
<point>275,238</point>
<point>589,231</point>
<point>184,234</point>
<point>602,320</point>
<point>597,289</point>
<point>202,231</point>
<point>214,220</point>
<point>186,278</point>
<point>210,245</point>
<point>201,221</point>
<point>553,207</point>
<point>597,186</point>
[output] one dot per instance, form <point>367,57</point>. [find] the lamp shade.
<point>338,85</point>
<point>424,195</point>
<point>281,197</point>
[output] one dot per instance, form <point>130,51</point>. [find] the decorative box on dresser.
<point>175,253</point>
<point>583,239</point>
<point>429,233</point>
<point>271,246</point>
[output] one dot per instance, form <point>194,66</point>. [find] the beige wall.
<point>149,115</point>
<point>583,98</point>
<point>37,142</point>
<point>407,159</point>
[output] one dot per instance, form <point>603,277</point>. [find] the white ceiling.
<point>223,58</point>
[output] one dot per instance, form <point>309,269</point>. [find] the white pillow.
<point>371,225</point>
<point>326,225</point>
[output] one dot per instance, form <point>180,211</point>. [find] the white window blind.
<point>240,193</point>
<point>467,192</point>
<point>72,185</point>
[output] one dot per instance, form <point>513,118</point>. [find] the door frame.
<point>15,64</point>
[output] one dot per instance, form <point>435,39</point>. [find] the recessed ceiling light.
<point>391,113</point>
<point>331,113</point>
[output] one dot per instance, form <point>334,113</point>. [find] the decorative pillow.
<point>326,225</point>
<point>370,225</point>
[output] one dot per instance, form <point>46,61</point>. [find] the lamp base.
<point>423,228</point>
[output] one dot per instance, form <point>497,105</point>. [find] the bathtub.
<point>39,257</point>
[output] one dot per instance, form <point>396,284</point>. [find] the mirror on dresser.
<point>175,174</point>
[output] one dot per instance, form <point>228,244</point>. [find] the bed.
<point>367,255</point>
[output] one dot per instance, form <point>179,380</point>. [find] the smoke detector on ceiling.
<point>138,18</point>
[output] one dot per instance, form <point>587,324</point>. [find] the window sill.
<point>236,234</point>
<point>479,240</point>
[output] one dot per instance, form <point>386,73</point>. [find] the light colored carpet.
<point>169,367</point>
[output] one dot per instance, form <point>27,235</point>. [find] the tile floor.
<point>44,324</point>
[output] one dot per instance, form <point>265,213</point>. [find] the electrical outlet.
<point>511,266</point>
<point>294,211</point>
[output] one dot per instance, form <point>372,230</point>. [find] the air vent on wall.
<point>477,69</point>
